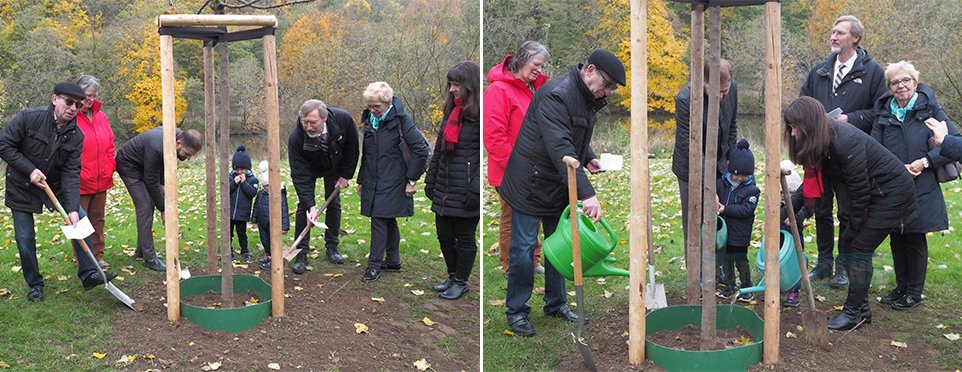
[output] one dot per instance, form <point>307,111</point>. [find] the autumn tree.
<point>139,70</point>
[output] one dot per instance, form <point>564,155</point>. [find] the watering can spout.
<point>602,269</point>
<point>758,288</point>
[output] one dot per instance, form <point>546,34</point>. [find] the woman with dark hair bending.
<point>876,195</point>
<point>453,182</point>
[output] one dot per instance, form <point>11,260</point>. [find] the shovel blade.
<point>655,296</point>
<point>290,252</point>
<point>120,295</point>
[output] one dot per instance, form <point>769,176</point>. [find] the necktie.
<point>838,77</point>
<point>323,142</point>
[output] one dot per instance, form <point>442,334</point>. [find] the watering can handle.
<point>611,234</point>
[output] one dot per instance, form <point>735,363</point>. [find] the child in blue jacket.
<point>243,186</point>
<point>262,215</point>
<point>737,200</point>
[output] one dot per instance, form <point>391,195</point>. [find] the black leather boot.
<point>300,263</point>
<point>457,289</point>
<point>845,320</point>
<point>155,264</point>
<point>866,312</point>
<point>443,286</point>
<point>841,278</point>
<point>334,256</point>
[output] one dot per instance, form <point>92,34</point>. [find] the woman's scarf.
<point>452,130</point>
<point>376,121</point>
<point>899,112</point>
<point>812,186</point>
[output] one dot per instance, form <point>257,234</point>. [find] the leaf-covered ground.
<point>924,329</point>
<point>92,331</point>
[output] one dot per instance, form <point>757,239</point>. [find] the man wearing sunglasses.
<point>559,122</point>
<point>324,145</point>
<point>42,146</point>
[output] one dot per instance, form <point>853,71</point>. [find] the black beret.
<point>69,89</point>
<point>607,62</point>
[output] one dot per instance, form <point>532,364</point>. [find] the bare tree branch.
<point>251,4</point>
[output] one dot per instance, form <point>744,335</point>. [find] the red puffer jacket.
<point>97,161</point>
<point>505,103</point>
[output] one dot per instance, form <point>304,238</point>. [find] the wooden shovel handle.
<point>56,204</point>
<point>806,282</point>
<point>573,164</point>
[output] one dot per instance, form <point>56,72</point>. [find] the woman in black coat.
<point>875,193</point>
<point>393,158</point>
<point>900,127</point>
<point>453,182</point>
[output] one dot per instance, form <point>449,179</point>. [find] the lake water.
<point>612,133</point>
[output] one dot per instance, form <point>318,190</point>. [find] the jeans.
<point>332,217</point>
<point>504,238</point>
<point>26,237</point>
<point>524,236</point>
<point>458,244</point>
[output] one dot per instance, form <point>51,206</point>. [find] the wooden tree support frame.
<point>171,215</point>
<point>640,192</point>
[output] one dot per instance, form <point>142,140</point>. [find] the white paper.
<point>611,162</point>
<point>834,113</point>
<point>81,231</point>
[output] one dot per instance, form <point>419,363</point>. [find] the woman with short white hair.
<point>393,158</point>
<point>900,127</point>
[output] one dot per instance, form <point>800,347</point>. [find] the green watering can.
<point>789,273</point>
<point>721,234</point>
<point>595,248</point>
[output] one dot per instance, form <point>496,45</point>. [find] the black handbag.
<point>947,172</point>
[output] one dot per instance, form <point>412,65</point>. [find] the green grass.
<point>552,344</point>
<point>63,331</point>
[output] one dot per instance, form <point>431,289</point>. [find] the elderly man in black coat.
<point>559,122</point>
<point>41,147</point>
<point>323,144</point>
<point>850,81</point>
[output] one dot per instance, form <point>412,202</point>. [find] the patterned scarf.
<point>376,121</point>
<point>452,130</point>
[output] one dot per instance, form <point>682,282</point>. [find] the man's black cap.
<point>70,90</point>
<point>607,62</point>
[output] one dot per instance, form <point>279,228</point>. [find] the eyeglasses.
<point>903,81</point>
<point>377,107</point>
<point>608,83</point>
<point>313,123</point>
<point>71,101</point>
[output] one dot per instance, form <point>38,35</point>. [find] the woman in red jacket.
<point>97,161</point>
<point>512,83</point>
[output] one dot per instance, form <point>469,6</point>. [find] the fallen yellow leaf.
<point>838,308</point>
<point>333,276</point>
<point>4,364</point>
<point>899,344</point>
<point>496,303</point>
<point>15,269</point>
<point>99,355</point>
<point>377,299</point>
<point>4,291</point>
<point>608,294</point>
<point>790,335</point>
<point>214,366</point>
<point>417,292</point>
<point>952,336</point>
<point>940,326</point>
<point>254,300</point>
<point>298,288</point>
<point>274,366</point>
<point>422,364</point>
<point>360,328</point>
<point>427,321</point>
<point>149,356</point>
<point>508,332</point>
<point>799,328</point>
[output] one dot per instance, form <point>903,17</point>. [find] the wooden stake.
<point>273,144</point>
<point>224,155</point>
<point>210,155</point>
<point>170,175</point>
<point>187,20</point>
<point>773,136</point>
<point>695,138</point>
<point>640,216</point>
<point>708,311</point>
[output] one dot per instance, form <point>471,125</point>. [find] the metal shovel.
<point>120,295</point>
<point>290,252</point>
<point>654,292</point>
<point>576,255</point>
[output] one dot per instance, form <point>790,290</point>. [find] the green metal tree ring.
<point>228,319</point>
<point>738,358</point>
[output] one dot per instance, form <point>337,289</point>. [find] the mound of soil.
<point>689,338</point>
<point>317,331</point>
<point>213,300</point>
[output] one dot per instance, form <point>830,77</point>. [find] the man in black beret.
<point>559,122</point>
<point>42,145</point>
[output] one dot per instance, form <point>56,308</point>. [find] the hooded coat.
<point>31,141</point>
<point>559,122</point>
<point>505,104</point>
<point>908,140</point>
<point>242,196</point>
<point>384,173</point>
<point>97,162</point>
<point>740,202</point>
<point>856,94</point>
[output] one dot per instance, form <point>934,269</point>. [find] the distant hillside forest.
<point>329,50</point>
